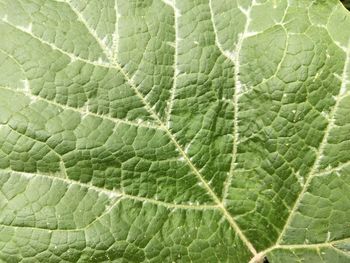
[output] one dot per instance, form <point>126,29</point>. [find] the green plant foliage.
<point>174,131</point>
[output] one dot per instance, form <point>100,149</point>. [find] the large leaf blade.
<point>206,131</point>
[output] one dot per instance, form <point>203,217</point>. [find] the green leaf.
<point>174,131</point>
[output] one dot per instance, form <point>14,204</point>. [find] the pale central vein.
<point>113,64</point>
<point>171,137</point>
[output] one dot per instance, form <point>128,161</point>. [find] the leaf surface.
<point>174,131</point>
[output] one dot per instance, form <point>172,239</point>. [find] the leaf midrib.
<point>113,64</point>
<point>215,198</point>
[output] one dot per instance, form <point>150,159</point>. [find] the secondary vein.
<point>315,167</point>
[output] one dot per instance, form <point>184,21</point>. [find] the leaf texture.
<point>174,131</point>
